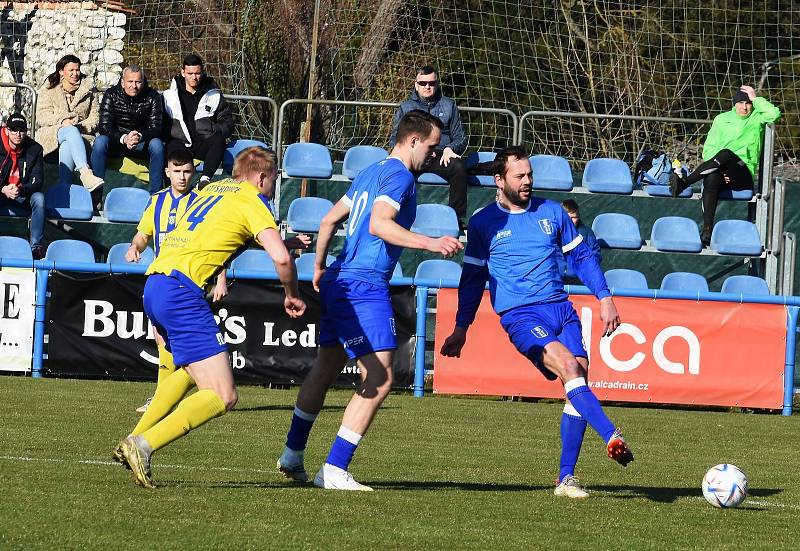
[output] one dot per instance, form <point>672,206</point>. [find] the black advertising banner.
<point>97,328</point>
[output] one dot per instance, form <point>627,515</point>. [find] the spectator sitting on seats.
<point>586,232</point>
<point>731,153</point>
<point>131,115</point>
<point>199,118</point>
<point>447,163</point>
<point>67,113</point>
<point>22,176</point>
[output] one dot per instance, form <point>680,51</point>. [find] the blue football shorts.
<point>532,327</point>
<point>179,311</point>
<point>358,315</point>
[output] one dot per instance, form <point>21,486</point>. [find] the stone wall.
<point>34,39</point>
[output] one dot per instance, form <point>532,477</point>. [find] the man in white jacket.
<point>199,117</point>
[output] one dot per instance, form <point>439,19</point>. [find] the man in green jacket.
<point>731,153</point>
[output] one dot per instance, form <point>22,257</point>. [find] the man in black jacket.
<point>427,96</point>
<point>131,116</point>
<point>199,118</point>
<point>21,178</point>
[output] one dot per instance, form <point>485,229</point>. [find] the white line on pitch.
<point>161,465</point>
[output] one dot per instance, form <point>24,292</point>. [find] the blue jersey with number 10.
<point>366,257</point>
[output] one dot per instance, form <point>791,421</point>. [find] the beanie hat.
<point>741,96</point>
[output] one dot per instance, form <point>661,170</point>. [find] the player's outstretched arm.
<point>454,343</point>
<point>138,244</point>
<point>382,224</point>
<point>271,240</point>
<point>609,316</point>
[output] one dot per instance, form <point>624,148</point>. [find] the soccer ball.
<point>725,486</point>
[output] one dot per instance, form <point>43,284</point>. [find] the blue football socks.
<point>297,438</point>
<point>343,448</point>
<point>573,427</point>
<point>585,402</point>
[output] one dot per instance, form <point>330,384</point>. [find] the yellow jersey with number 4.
<point>223,217</point>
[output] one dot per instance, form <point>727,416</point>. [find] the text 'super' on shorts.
<point>358,315</point>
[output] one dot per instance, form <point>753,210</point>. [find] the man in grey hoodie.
<point>427,96</point>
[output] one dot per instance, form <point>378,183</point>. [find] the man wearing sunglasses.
<point>427,96</point>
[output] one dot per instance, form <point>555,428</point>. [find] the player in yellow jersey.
<point>160,217</point>
<point>225,215</point>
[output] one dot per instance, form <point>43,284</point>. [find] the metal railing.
<point>371,104</point>
<point>34,96</point>
<point>273,107</point>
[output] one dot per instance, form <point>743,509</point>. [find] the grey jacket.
<point>444,109</point>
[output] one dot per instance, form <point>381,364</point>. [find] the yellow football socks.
<point>192,412</point>
<point>166,365</point>
<point>170,391</point>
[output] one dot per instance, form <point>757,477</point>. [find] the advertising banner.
<point>17,309</point>
<point>665,352</point>
<point>97,328</point>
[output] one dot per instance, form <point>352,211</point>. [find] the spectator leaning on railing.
<point>22,175</point>
<point>67,113</point>
<point>131,115</point>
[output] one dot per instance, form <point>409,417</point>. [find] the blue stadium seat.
<point>745,285</point>
<point>622,278</point>
<point>551,172</point>
<point>435,220</point>
<point>15,247</point>
<point>735,195</point>
<point>305,213</point>
<point>359,157</point>
<point>607,176</point>
<point>431,178</point>
<point>307,160</point>
<point>676,234</point>
<point>116,255</point>
<point>617,231</point>
<point>736,237</point>
<point>69,250</point>
<point>125,204</point>
<point>684,281</point>
<point>480,157</point>
<point>233,149</point>
<point>69,202</point>
<point>398,271</point>
<point>256,260</point>
<point>439,270</point>
<point>305,263</point>
<point>663,191</point>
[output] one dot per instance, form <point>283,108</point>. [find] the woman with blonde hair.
<point>67,114</point>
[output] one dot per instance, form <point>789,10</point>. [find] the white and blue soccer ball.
<point>725,486</point>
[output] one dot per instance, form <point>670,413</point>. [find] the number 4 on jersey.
<point>199,213</point>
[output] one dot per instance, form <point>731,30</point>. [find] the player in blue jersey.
<point>514,244</point>
<point>357,319</point>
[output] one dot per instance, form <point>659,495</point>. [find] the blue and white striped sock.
<point>588,406</point>
<point>343,448</point>
<point>297,438</point>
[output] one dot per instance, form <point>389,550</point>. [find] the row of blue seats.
<point>431,271</point>
<point>550,172</point>
<point>677,234</point>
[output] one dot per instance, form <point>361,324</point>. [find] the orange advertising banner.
<point>665,352</point>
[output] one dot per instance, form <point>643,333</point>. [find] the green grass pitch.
<point>449,473</point>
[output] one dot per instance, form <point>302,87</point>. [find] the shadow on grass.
<point>284,408</point>
<point>666,495</point>
<point>452,485</point>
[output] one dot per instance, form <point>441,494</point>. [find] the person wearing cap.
<point>731,153</point>
<point>22,176</point>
